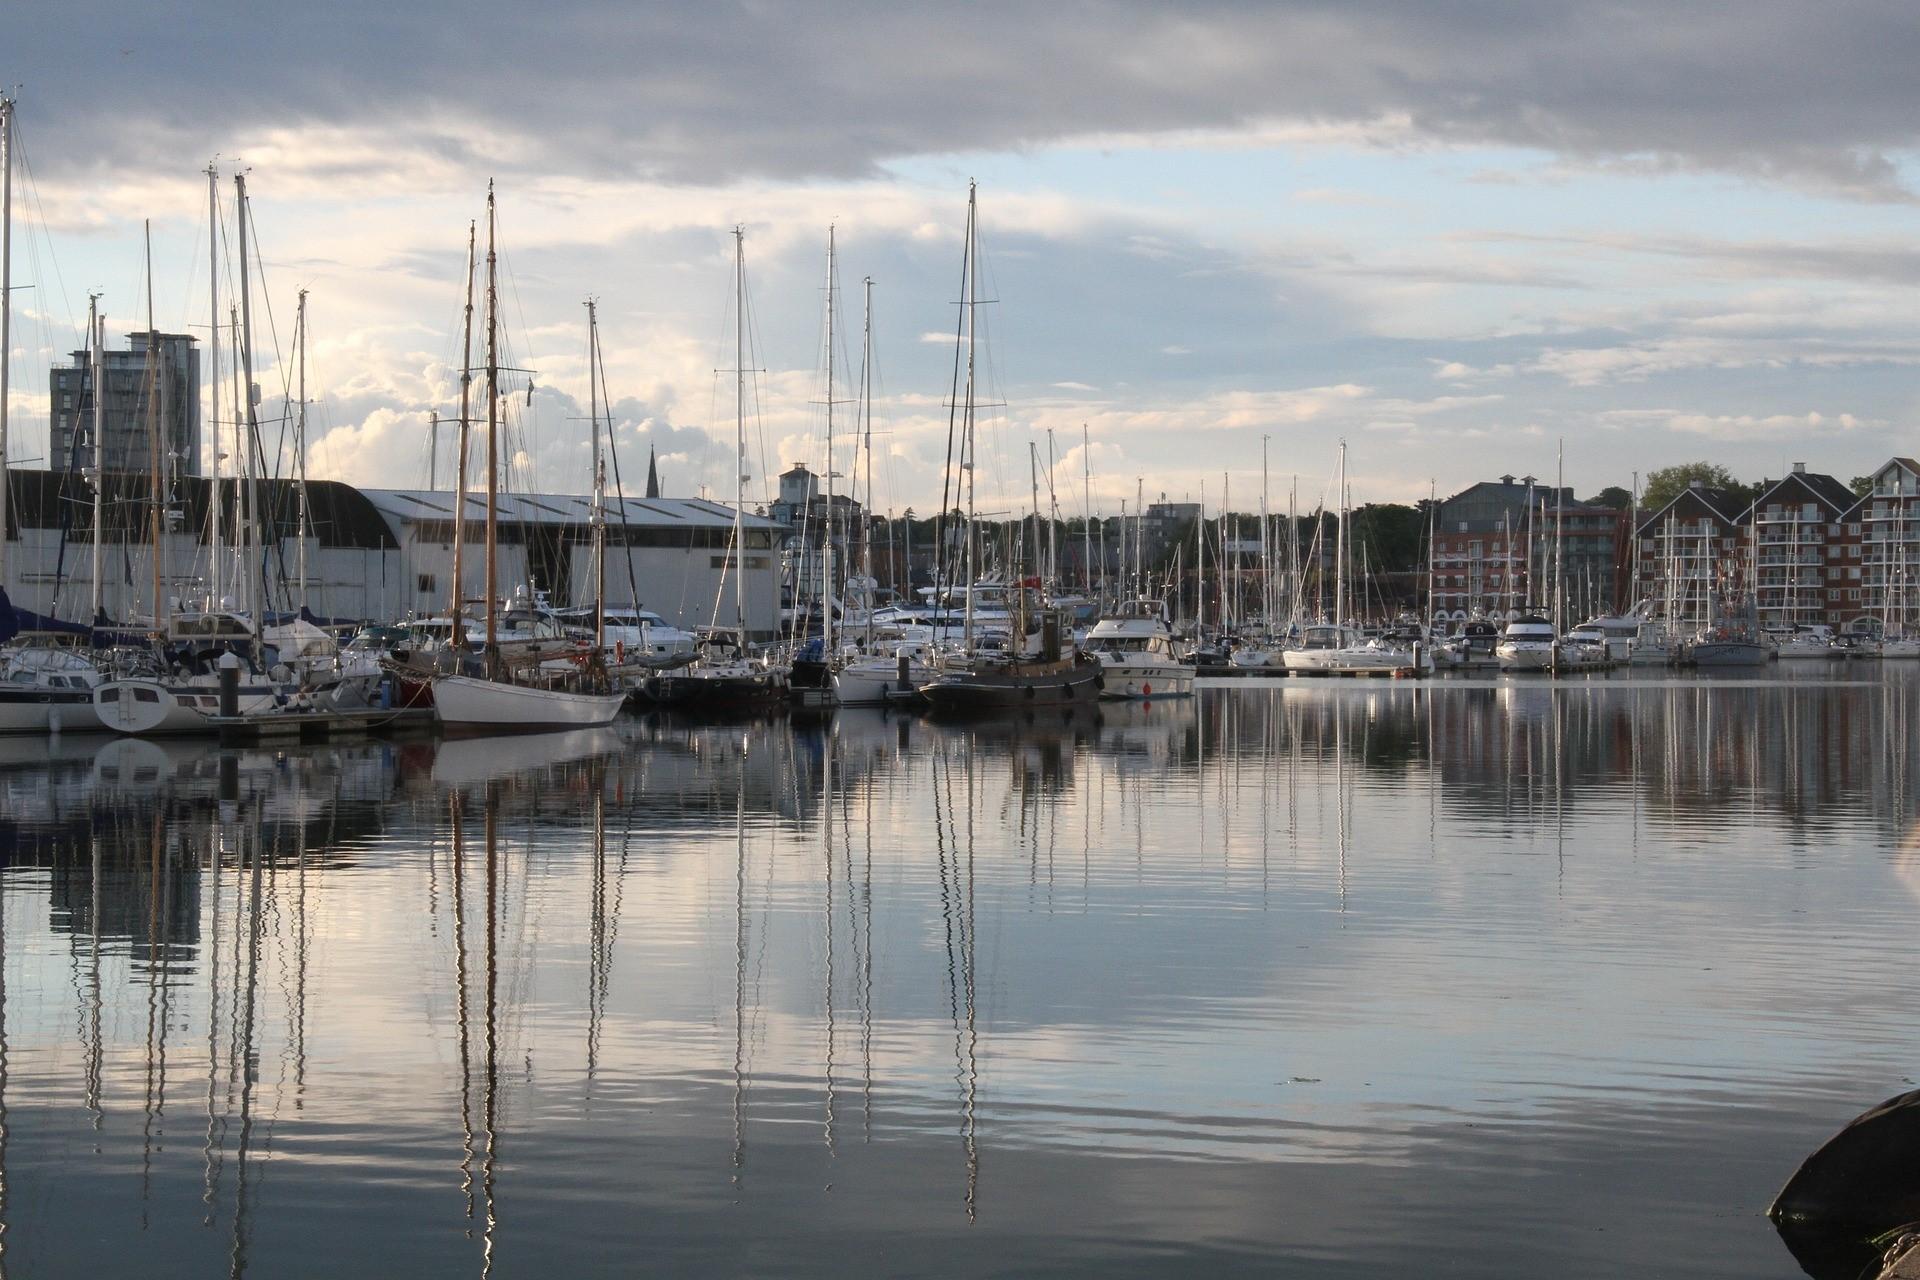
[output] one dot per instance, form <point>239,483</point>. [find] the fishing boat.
<point>1733,638</point>
<point>500,697</point>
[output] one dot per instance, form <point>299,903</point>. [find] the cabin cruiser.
<point>1136,658</point>
<point>885,675</point>
<point>1527,644</point>
<point>1472,648</point>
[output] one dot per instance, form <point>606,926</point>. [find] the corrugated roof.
<point>405,506</point>
<point>341,515</point>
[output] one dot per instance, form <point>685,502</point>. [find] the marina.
<point>996,640</point>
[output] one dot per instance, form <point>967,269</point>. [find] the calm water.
<point>1319,980</point>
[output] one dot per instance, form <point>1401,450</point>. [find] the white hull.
<point>1526,656</point>
<point>1255,659</point>
<point>462,702</point>
<point>1317,661</point>
<point>30,710</point>
<point>146,708</point>
<point>1131,678</point>
<point>871,682</point>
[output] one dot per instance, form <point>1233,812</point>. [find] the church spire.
<point>653,475</point>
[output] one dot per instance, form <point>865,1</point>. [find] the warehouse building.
<point>379,554</point>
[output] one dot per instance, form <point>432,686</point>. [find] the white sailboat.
<point>494,701</point>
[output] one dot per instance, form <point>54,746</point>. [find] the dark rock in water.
<point>1838,1210</point>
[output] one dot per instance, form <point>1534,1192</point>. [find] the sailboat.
<point>724,675</point>
<point>1037,665</point>
<point>493,700</point>
<point>173,686</point>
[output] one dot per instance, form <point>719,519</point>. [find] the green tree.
<point>1668,483</point>
<point>1861,486</point>
<point>1613,497</point>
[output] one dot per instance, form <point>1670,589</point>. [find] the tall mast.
<point>6,309</point>
<point>1266,546</point>
<point>1340,548</point>
<point>95,340</point>
<point>300,445</point>
<point>460,467</point>
<point>1200,570</point>
<point>866,399</point>
<point>1559,524</point>
<point>1053,516</point>
<point>217,559</point>
<point>966,446</point>
<point>248,532</point>
<point>493,447</point>
<point>599,483</point>
<point>1433,525</point>
<point>156,479</point>
<point>1086,504</point>
<point>826,564</point>
<point>740,432</point>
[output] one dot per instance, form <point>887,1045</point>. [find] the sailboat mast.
<point>1559,526</point>
<point>250,512</point>
<point>493,446</point>
<point>95,341</point>
<point>6,310</point>
<point>740,431</point>
<point>1086,505</point>
<point>866,399</point>
<point>460,466</point>
<point>156,478</point>
<point>826,563</point>
<point>1200,570</point>
<point>599,482</point>
<point>217,558</point>
<point>1340,549</point>
<point>1266,546</point>
<point>300,446</point>
<point>966,443</point>
<point>1053,515</point>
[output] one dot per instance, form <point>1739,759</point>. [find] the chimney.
<point>1506,479</point>
<point>1696,484</point>
<point>1799,468</point>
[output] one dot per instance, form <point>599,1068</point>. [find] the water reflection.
<point>1291,977</point>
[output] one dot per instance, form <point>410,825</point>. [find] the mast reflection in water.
<point>1320,979</point>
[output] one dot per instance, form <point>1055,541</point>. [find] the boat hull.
<point>1729,653</point>
<point>1133,680</point>
<point>731,692</point>
<point>155,708</point>
<point>462,702</point>
<point>1525,657</point>
<point>1014,687</point>
<point>28,709</point>
<point>876,682</point>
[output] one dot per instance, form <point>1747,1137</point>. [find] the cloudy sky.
<point>1449,234</point>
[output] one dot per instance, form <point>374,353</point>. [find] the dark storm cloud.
<point>1818,95</point>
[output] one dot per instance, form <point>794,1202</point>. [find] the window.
<point>426,584</point>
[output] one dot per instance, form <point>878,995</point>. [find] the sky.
<point>1457,236</point>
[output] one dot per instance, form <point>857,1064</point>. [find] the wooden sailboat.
<point>494,701</point>
<point>1038,666</point>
